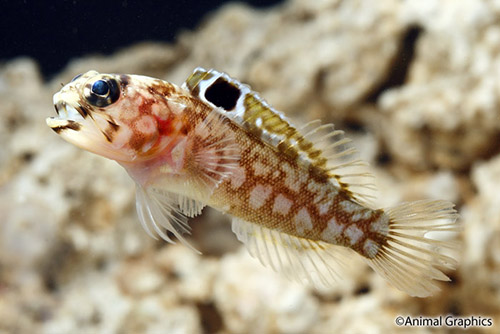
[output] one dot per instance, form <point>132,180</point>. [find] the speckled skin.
<point>215,142</point>
<point>153,124</point>
<point>315,201</point>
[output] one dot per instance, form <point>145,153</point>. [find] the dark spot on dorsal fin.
<point>223,94</point>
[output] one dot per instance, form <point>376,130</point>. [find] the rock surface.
<point>415,83</point>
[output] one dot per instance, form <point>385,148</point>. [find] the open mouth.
<point>67,117</point>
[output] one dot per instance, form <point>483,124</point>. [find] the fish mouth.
<point>82,128</point>
<point>68,117</point>
<point>72,122</point>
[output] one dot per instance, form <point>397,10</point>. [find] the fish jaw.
<point>81,130</point>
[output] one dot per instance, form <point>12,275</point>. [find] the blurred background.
<point>54,33</point>
<point>415,84</point>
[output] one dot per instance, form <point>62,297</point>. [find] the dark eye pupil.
<point>103,92</point>
<point>100,87</point>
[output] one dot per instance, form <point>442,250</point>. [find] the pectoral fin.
<point>160,211</point>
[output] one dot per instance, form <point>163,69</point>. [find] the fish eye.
<point>100,87</point>
<point>103,92</point>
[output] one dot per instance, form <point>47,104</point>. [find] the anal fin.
<point>300,259</point>
<point>188,206</point>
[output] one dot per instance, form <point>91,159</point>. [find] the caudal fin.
<point>415,252</point>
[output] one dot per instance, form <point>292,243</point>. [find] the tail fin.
<point>414,253</point>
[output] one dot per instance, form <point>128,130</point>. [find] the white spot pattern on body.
<point>323,193</point>
<point>332,231</point>
<point>291,179</point>
<point>157,110</point>
<point>259,195</point>
<point>317,189</point>
<point>324,207</point>
<point>364,214</point>
<point>146,125</point>
<point>238,177</point>
<point>260,169</point>
<point>303,221</point>
<point>381,225</point>
<point>282,204</point>
<point>122,136</point>
<point>353,233</point>
<point>349,207</point>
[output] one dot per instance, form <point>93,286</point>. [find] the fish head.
<point>121,117</point>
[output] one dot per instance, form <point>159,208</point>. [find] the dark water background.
<point>54,32</point>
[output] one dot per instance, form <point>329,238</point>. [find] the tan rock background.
<point>415,83</point>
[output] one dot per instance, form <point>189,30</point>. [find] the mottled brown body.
<point>276,191</point>
<point>215,142</point>
<point>270,187</point>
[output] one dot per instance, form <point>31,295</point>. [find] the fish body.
<point>215,142</point>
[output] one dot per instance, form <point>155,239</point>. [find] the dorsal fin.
<point>321,148</point>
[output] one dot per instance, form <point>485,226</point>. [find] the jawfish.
<point>289,188</point>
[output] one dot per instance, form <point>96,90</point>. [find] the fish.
<point>298,196</point>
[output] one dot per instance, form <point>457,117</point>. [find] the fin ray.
<point>160,210</point>
<point>409,259</point>
<point>300,259</point>
<point>215,155</point>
